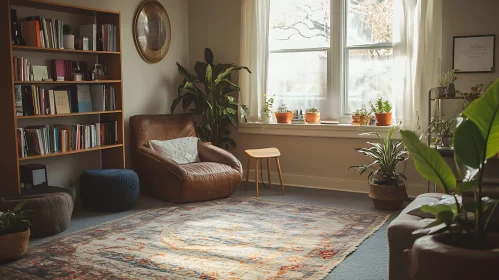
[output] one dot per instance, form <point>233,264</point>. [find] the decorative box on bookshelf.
<point>29,132</point>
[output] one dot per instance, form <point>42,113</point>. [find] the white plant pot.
<point>267,117</point>
<point>69,42</point>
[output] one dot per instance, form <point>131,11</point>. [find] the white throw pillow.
<point>182,150</point>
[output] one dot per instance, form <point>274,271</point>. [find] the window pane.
<point>298,80</point>
<point>297,24</point>
<point>369,77</point>
<point>369,21</point>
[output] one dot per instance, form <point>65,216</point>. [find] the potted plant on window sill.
<point>387,186</point>
<point>383,112</point>
<point>361,117</point>
<point>267,110</point>
<point>14,233</point>
<point>283,114</point>
<point>312,115</point>
<point>463,247</point>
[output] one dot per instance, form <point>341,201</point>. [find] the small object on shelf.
<point>34,175</point>
<point>69,39</point>
<point>450,91</point>
<point>17,39</point>
<point>40,73</point>
<point>77,77</point>
<point>84,43</point>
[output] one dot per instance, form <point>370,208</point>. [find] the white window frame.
<point>337,53</point>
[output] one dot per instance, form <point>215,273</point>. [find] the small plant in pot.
<point>312,115</point>
<point>283,114</point>
<point>383,111</point>
<point>267,109</point>
<point>446,84</point>
<point>387,186</point>
<point>68,37</point>
<point>460,244</point>
<point>361,117</point>
<point>14,233</point>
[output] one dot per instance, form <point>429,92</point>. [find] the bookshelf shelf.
<point>111,156</point>
<point>68,115</point>
<point>73,152</point>
<point>36,49</point>
<point>66,82</point>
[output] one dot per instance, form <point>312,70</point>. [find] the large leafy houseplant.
<point>383,172</point>
<point>14,220</point>
<point>14,233</point>
<point>214,97</point>
<point>476,139</point>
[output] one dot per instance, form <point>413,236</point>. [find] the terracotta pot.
<point>355,119</point>
<point>388,197</point>
<point>313,117</point>
<point>432,258</point>
<point>363,120</point>
<point>14,245</point>
<point>383,119</point>
<point>283,117</point>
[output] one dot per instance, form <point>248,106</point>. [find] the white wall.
<point>321,162</point>
<point>148,88</point>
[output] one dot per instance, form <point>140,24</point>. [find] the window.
<point>335,63</point>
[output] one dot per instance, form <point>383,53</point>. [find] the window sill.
<point>314,130</point>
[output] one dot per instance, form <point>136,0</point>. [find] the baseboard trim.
<point>327,183</point>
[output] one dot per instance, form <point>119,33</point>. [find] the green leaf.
<point>185,74</point>
<point>484,112</point>
<point>200,69</point>
<point>469,144</point>
<point>208,80</point>
<point>436,208</point>
<point>428,161</point>
<point>466,186</point>
<point>19,206</point>
<point>222,76</point>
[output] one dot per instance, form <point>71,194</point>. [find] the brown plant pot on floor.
<point>434,257</point>
<point>283,117</point>
<point>388,197</point>
<point>383,119</point>
<point>313,118</point>
<point>14,245</point>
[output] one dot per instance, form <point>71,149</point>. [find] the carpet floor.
<point>369,261</point>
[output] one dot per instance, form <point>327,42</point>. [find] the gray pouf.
<point>109,190</point>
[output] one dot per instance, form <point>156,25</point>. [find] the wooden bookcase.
<point>111,156</point>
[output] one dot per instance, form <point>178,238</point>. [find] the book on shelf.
<point>31,100</point>
<point>44,140</point>
<point>30,30</point>
<point>107,35</point>
<point>43,32</point>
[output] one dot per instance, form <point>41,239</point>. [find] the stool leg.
<point>256,176</point>
<point>268,171</point>
<point>280,174</point>
<point>247,173</point>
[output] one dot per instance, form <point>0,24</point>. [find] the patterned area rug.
<point>226,239</point>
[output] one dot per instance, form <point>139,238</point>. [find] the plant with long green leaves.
<point>387,154</point>
<point>14,220</point>
<point>214,98</point>
<point>476,139</point>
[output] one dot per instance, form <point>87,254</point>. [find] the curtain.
<point>254,54</point>
<point>417,48</point>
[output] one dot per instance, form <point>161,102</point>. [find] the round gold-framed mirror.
<point>152,31</point>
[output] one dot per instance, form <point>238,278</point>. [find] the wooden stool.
<point>260,154</point>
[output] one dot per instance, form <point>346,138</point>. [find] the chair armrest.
<point>211,153</point>
<point>164,162</point>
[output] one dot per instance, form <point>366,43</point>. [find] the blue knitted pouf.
<point>109,190</point>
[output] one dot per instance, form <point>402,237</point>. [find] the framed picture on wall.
<point>474,54</point>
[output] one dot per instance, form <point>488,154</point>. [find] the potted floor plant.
<point>387,185</point>
<point>267,110</point>
<point>460,245</point>
<point>312,115</point>
<point>214,97</point>
<point>14,233</point>
<point>383,112</point>
<point>361,117</point>
<point>283,114</point>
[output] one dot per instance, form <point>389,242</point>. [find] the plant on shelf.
<point>462,226</point>
<point>446,84</point>
<point>283,114</point>
<point>383,111</point>
<point>267,109</point>
<point>312,115</point>
<point>361,116</point>
<point>14,233</point>
<point>214,97</point>
<point>387,186</point>
<point>68,37</point>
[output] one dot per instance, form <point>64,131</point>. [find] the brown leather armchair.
<point>216,176</point>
